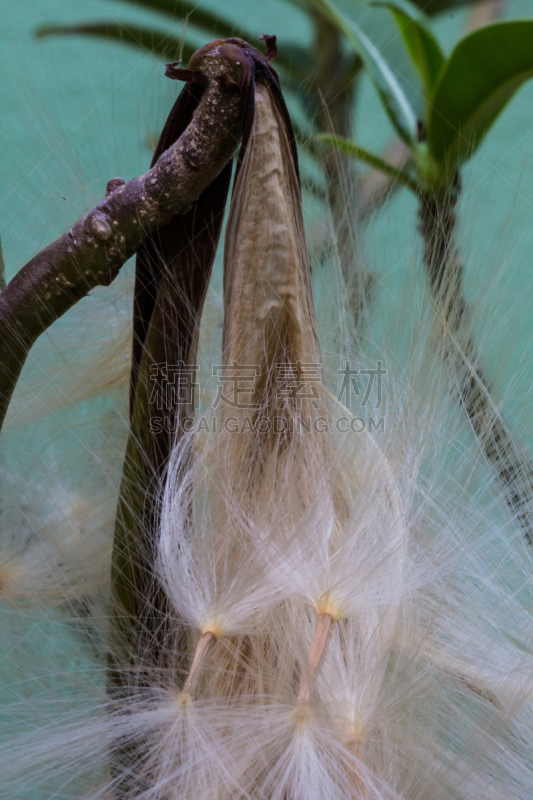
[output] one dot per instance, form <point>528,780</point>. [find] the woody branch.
<point>92,252</point>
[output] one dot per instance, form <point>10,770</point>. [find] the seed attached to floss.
<point>203,648</point>
<point>315,658</point>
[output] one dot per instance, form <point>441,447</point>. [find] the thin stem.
<point>485,12</point>
<point>333,92</point>
<point>437,212</point>
<point>315,658</point>
<point>354,742</point>
<point>203,648</point>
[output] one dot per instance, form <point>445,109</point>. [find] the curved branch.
<point>92,252</point>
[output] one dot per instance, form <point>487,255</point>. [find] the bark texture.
<point>92,252</point>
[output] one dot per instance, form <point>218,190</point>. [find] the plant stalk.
<point>334,88</point>
<point>444,270</point>
<point>318,650</point>
<point>204,647</point>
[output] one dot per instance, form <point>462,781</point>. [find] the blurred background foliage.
<point>319,67</point>
<point>320,75</point>
<point>85,95</point>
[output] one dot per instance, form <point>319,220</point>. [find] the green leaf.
<point>196,15</point>
<point>424,50</point>
<point>372,159</point>
<point>389,90</point>
<point>292,58</point>
<point>289,56</point>
<point>157,43</point>
<point>480,77</point>
<point>433,7</point>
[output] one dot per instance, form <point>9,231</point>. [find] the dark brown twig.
<point>92,252</point>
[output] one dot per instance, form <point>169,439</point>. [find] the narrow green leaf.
<point>294,60</point>
<point>289,56</point>
<point>433,7</point>
<point>389,90</point>
<point>196,15</point>
<point>372,159</point>
<point>213,24</point>
<point>480,77</point>
<point>157,43</point>
<point>424,50</point>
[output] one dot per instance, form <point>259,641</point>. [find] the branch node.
<point>193,158</point>
<point>113,184</point>
<point>99,225</point>
<point>271,46</point>
<point>176,73</point>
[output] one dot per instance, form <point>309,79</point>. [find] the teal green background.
<point>76,112</point>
